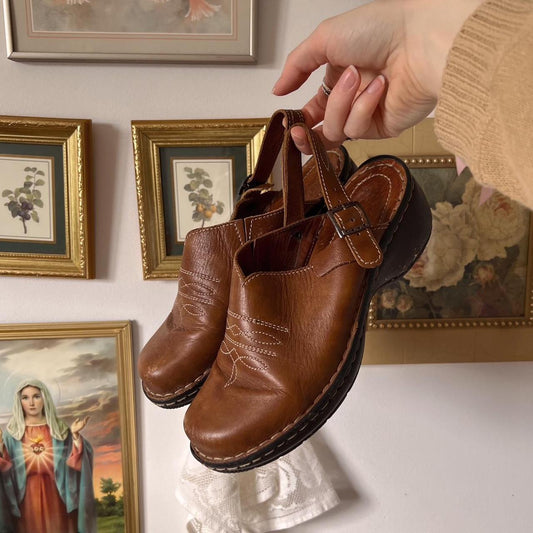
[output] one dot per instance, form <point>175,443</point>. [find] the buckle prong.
<point>343,232</point>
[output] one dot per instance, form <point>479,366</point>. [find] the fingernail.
<point>376,84</point>
<point>348,79</point>
<point>275,88</point>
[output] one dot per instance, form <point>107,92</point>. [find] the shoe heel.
<point>407,241</point>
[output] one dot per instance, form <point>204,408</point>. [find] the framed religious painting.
<point>45,226</point>
<point>131,30</point>
<point>67,420</point>
<point>469,296</point>
<point>188,176</point>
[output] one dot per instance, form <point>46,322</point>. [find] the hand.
<point>384,63</point>
<point>77,426</point>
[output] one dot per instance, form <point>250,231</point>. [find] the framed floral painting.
<point>469,297</point>
<point>67,420</point>
<point>131,30</point>
<point>477,266</point>
<point>45,219</point>
<point>188,176</point>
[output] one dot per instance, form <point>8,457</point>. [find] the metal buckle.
<point>341,232</point>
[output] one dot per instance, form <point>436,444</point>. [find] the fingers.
<point>361,122</point>
<point>302,61</point>
<point>339,105</point>
<point>346,116</point>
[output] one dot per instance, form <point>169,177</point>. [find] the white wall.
<point>420,448</point>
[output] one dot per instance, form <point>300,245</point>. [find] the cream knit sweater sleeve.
<point>485,109</point>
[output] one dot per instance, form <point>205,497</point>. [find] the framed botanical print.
<point>68,455</point>
<point>188,176</point>
<point>45,227</point>
<point>131,30</point>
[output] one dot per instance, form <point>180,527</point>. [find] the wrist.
<point>431,29</point>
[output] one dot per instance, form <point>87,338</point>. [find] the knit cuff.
<point>477,75</point>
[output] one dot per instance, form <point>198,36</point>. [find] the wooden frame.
<point>409,331</point>
<point>88,369</point>
<point>150,31</point>
<point>173,160</point>
<point>45,226</point>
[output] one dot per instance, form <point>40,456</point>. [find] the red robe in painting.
<point>42,509</point>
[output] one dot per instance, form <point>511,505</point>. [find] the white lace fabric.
<point>282,494</point>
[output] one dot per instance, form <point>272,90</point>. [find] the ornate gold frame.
<point>73,136</point>
<point>148,138</point>
<point>441,341</point>
<point>121,332</point>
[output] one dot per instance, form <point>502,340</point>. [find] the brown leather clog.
<point>177,359</point>
<point>297,313</point>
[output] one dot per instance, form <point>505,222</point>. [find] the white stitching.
<point>367,231</point>
<point>258,321</point>
<point>199,275</point>
<point>251,337</point>
<point>196,299</point>
<point>291,273</point>
<point>234,370</point>
<point>259,217</point>
<point>209,291</point>
<point>177,391</point>
<point>200,312</point>
<point>251,348</point>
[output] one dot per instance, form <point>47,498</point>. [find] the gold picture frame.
<point>481,307</point>
<point>149,31</point>
<point>88,369</point>
<point>45,218</point>
<point>174,158</point>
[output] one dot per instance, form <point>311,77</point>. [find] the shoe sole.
<point>178,401</point>
<point>402,244</point>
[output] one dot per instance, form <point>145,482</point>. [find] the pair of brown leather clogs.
<point>176,360</point>
<point>295,316</point>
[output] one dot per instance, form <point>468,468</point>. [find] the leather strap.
<point>348,218</point>
<point>293,181</point>
<point>271,145</point>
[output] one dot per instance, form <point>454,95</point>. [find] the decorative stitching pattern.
<point>239,353</point>
<point>236,331</point>
<point>252,348</point>
<point>193,310</point>
<point>199,275</point>
<point>257,321</point>
<point>196,291</point>
<point>206,290</point>
<point>261,366</point>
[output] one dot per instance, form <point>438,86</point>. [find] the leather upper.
<point>294,308</point>
<point>180,353</point>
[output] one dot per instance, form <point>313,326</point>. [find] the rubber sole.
<point>179,401</point>
<point>402,244</point>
